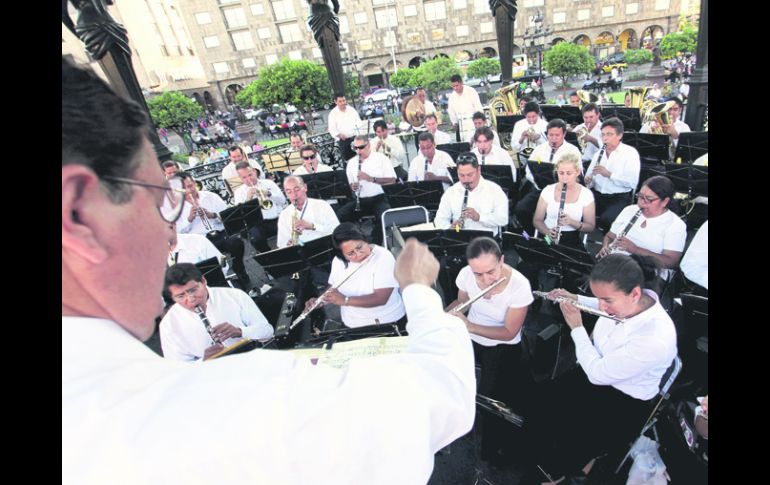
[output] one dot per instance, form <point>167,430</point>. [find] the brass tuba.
<point>659,114</point>
<point>637,96</point>
<point>586,97</point>
<point>504,103</point>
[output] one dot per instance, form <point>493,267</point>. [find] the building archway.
<point>198,99</point>
<point>439,55</point>
<point>208,102</point>
<point>583,40</point>
<point>231,91</point>
<point>374,77</point>
<point>516,49</point>
<point>463,55</point>
<point>651,35</point>
<point>558,40</point>
<point>627,40</point>
<point>488,52</point>
<point>604,44</point>
<point>416,61</point>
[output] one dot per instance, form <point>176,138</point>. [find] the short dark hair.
<point>620,270</point>
<point>557,123</point>
<point>100,129</point>
<point>531,106</point>
<point>482,245</point>
<point>185,175</point>
<point>419,88</point>
<point>180,274</point>
<point>431,116</point>
<point>170,163</point>
<point>486,131</point>
<point>236,148</point>
<point>347,231</point>
<point>590,107</point>
<point>661,185</point>
<point>380,124</point>
<point>337,95</point>
<point>573,93</point>
<point>242,165</point>
<point>295,134</point>
<point>456,78</point>
<point>308,147</point>
<point>615,124</point>
<point>426,135</point>
<point>467,158</point>
<point>478,115</point>
<point>678,101</point>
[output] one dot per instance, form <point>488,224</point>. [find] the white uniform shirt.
<point>301,170</point>
<point>495,140</point>
<point>315,211</point>
<point>441,138</point>
<point>631,356</point>
<point>496,156</point>
<point>128,413</point>
<point>375,165</point>
<point>679,125</point>
<point>343,122</point>
<point>487,198</point>
<point>624,167</point>
<point>276,196</point>
<point>542,154</point>
<point>521,127</point>
<point>491,312</point>
<point>438,166</point>
<point>591,149</point>
<point>193,248</point>
<point>378,273</point>
<point>572,209</point>
<point>397,153</point>
<point>183,335</point>
<point>209,201</point>
<point>230,174</point>
<point>466,103</point>
<point>695,263</point>
<point>666,231</point>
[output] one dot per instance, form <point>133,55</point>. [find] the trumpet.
<point>384,148</point>
<point>527,151</point>
<point>582,308</point>
<point>580,132</point>
<point>201,213</point>
<point>460,223</point>
<point>262,195</point>
<point>463,306</point>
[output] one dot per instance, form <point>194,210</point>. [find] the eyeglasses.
<point>357,147</point>
<point>649,200</point>
<point>311,157</point>
<point>173,200</point>
<point>188,292</point>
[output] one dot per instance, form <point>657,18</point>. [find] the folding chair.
<point>402,216</point>
<point>665,385</point>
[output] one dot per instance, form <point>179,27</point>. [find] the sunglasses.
<point>357,147</point>
<point>311,157</point>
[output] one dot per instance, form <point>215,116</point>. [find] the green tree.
<point>676,42</point>
<point>637,56</point>
<point>172,110</point>
<point>483,67</point>
<point>403,78</point>
<point>435,75</point>
<point>352,87</point>
<point>301,83</point>
<point>567,59</point>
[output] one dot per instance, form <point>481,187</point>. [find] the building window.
<point>381,2</point>
<point>295,55</point>
<point>203,18</point>
<point>462,31</point>
<point>486,27</point>
<point>584,14</point>
<point>211,41</point>
<point>608,11</point>
<point>385,17</point>
<point>344,27</point>
<point>435,11</point>
<point>235,17</point>
<point>410,10</point>
<point>257,9</point>
<point>283,10</point>
<point>249,62</point>
<point>559,17</point>
<point>365,45</point>
<point>290,33</point>
<point>271,59</point>
<point>460,4</point>
<point>632,8</point>
<point>221,68</point>
<point>242,40</point>
<point>662,4</point>
<point>481,7</point>
<point>360,18</point>
<point>264,33</point>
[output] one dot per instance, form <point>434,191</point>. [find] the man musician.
<point>488,153</point>
<point>529,132</point>
<point>391,147</point>
<point>480,121</point>
<point>343,125</point>
<point>441,138</point>
<point>673,129</point>
<point>591,130</point>
<point>230,174</point>
<point>311,161</point>
<point>430,164</point>
<point>304,219</point>
<point>192,248</point>
<point>463,102</point>
<point>265,190</point>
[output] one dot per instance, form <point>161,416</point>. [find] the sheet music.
<point>341,353</point>
<point>425,226</point>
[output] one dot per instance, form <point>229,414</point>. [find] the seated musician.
<point>613,173</point>
<point>430,164</point>
<point>232,314</point>
<point>311,161</point>
<point>441,138</point>
<point>170,168</point>
<point>529,132</point>
<point>574,99</point>
<point>484,208</point>
<point>265,190</point>
<point>591,127</point>
<point>391,147</point>
<point>547,152</point>
<point>579,214</point>
<point>367,172</point>
<point>488,153</point>
<point>494,323</point>
<point>673,129</point>
<point>613,389</point>
<point>657,234</point>
<point>480,121</point>
<point>695,263</point>
<point>230,174</point>
<point>191,248</point>
<point>296,141</point>
<point>306,218</point>
<point>370,295</point>
<point>200,215</point>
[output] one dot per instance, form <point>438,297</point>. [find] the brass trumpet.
<point>264,200</point>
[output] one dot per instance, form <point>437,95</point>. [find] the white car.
<point>474,82</point>
<point>495,78</point>
<point>382,95</point>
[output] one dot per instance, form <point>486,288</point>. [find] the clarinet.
<point>613,247</point>
<point>461,221</point>
<point>206,323</point>
<point>598,162</point>
<point>562,201</point>
<point>358,191</point>
<point>553,151</point>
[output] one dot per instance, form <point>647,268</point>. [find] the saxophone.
<point>294,232</point>
<point>460,223</point>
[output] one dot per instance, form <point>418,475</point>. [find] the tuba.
<point>637,96</point>
<point>504,103</point>
<point>659,114</point>
<point>586,97</point>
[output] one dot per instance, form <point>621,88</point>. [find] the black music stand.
<point>454,149</point>
<point>542,172</point>
<point>241,217</point>
<point>690,179</point>
<point>692,145</point>
<point>426,193</point>
<point>212,271</point>
<point>328,185</point>
<point>505,123</point>
<point>652,148</point>
<point>630,117</point>
<point>502,175</point>
<point>571,138</point>
<point>570,114</point>
<point>538,251</point>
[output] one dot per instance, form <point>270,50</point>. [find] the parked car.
<point>619,65</point>
<point>495,78</point>
<point>615,58</point>
<point>382,95</point>
<point>404,92</point>
<point>474,82</point>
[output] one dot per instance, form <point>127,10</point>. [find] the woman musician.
<point>609,396</point>
<point>579,213</point>
<point>371,295</point>
<point>494,323</point>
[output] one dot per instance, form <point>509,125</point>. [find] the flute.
<point>461,307</point>
<point>579,306</point>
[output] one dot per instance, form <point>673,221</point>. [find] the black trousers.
<point>233,245</point>
<point>525,209</point>
<point>346,150</point>
<point>258,235</point>
<point>608,206</point>
<point>372,206</point>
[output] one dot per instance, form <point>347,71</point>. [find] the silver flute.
<point>461,307</point>
<point>582,308</point>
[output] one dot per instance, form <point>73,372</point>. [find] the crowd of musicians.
<point>595,185</point>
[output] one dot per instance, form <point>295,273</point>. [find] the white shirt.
<point>375,165</point>
<point>695,263</point>
<point>496,156</point>
<point>131,416</point>
<point>679,125</point>
<point>572,209</point>
<point>624,167</point>
<point>430,108</point>
<point>466,103</point>
<point>397,153</point>
<point>664,232</point>
<point>487,198</point>
<point>542,154</point>
<point>194,248</point>
<point>276,196</point>
<point>316,211</point>
<point>377,274</point>
<point>343,122</point>
<point>521,127</point>
<point>301,170</point>
<point>495,140</point>
<point>491,312</point>
<point>631,356</point>
<point>441,138</point>
<point>183,335</point>
<point>230,173</point>
<point>209,201</point>
<point>438,166</point>
<point>591,149</point>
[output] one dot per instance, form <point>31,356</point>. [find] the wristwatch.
<point>347,299</point>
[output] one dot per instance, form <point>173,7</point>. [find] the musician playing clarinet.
<point>231,314</point>
<point>494,323</point>
<point>609,396</point>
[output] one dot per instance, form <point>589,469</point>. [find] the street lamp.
<point>537,32</point>
<point>346,61</point>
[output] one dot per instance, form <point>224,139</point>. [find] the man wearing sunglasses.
<point>311,161</point>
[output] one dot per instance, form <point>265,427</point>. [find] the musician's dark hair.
<point>420,88</point>
<point>531,106</point>
<point>337,95</point>
<point>242,165</point>
<point>170,163</point>
<point>623,271</point>
<point>426,135</point>
<point>185,175</point>
<point>100,129</point>
<point>590,107</point>
<point>380,124</point>
<point>431,116</point>
<point>307,148</point>
<point>557,123</point>
<point>483,245</point>
<point>573,93</point>
<point>236,148</point>
<point>614,123</point>
<point>661,185</point>
<point>467,158</point>
<point>486,131</point>
<point>478,115</point>
<point>678,101</point>
<point>347,231</point>
<point>293,134</point>
<point>180,274</point>
<point>456,78</point>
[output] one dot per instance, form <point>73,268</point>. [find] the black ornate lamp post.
<point>537,32</point>
<point>345,61</point>
<point>698,99</point>
<point>107,42</point>
<point>325,25</point>
<point>504,12</point>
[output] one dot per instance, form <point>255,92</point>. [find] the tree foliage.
<point>483,67</point>
<point>676,42</point>
<point>301,83</point>
<point>567,59</point>
<point>173,109</point>
<point>435,75</point>
<point>638,56</point>
<point>402,78</point>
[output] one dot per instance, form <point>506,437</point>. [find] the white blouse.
<point>572,209</point>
